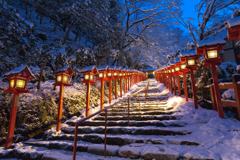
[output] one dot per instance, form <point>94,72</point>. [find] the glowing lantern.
<point>191,57</point>
<point>110,76</point>
<point>18,79</point>
<point>210,49</point>
<point>177,69</point>
<point>62,80</point>
<point>88,74</point>
<point>102,76</point>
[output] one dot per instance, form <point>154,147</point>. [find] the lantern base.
<point>100,79</point>
<point>214,60</point>
<point>192,67</point>
<point>91,81</point>
<point>16,90</point>
<point>61,83</point>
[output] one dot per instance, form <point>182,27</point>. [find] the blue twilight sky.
<point>189,9</point>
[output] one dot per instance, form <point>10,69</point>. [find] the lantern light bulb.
<point>12,83</point>
<point>177,68</point>
<point>100,75</point>
<point>191,62</point>
<point>183,66</point>
<point>86,77</point>
<point>65,79</point>
<point>109,74</point>
<point>59,78</point>
<point>20,83</point>
<point>91,77</point>
<point>212,54</point>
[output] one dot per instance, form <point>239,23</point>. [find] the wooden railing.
<point>105,109</point>
<point>235,85</point>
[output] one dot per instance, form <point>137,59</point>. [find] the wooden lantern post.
<point>172,66</point>
<point>116,75</point>
<point>110,76</point>
<point>128,79</point>
<point>211,50</point>
<point>62,79</point>
<point>102,77</point>
<point>18,79</point>
<point>191,58</point>
<point>177,69</point>
<point>170,79</point>
<point>88,73</point>
<point>120,76</point>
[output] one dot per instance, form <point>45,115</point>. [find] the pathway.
<point>166,127</point>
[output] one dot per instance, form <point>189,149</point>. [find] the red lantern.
<point>191,57</point>
<point>210,49</point>
<point>233,26</point>
<point>88,74</point>
<point>102,76</point>
<point>18,79</point>
<point>110,76</point>
<point>116,75</point>
<point>62,79</point>
<point>177,69</point>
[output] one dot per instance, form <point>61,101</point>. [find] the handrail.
<point>98,112</point>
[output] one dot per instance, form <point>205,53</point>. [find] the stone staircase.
<point>151,128</point>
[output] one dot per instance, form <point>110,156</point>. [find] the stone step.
<point>111,139</point>
<point>98,149</point>
<point>137,113</point>
<point>127,130</point>
<point>140,117</point>
<point>136,109</point>
<point>169,123</point>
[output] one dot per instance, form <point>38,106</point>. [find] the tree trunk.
<point>34,5</point>
<point>76,36</point>
<point>76,75</point>
<point>40,76</point>
<point>25,1</point>
<point>60,20</point>
<point>69,29</point>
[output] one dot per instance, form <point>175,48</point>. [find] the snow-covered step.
<point>137,113</point>
<point>168,123</point>
<point>128,130</point>
<point>111,139</point>
<point>141,117</point>
<point>137,109</point>
<point>98,149</point>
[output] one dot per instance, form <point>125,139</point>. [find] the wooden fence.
<point>235,85</point>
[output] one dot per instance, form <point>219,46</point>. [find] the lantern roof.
<point>88,69</point>
<point>188,53</point>
<point>233,22</point>
<point>177,59</point>
<point>67,67</point>
<point>101,68</point>
<point>118,68</point>
<point>112,67</point>
<point>210,42</point>
<point>172,63</point>
<point>19,70</point>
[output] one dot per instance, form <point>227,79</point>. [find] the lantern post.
<point>177,69</point>
<point>102,77</point>
<point>62,79</point>
<point>211,50</point>
<point>191,58</point>
<point>172,66</point>
<point>18,79</point>
<point>128,79</point>
<point>170,79</point>
<point>120,76</point>
<point>110,77</point>
<point>88,74</point>
<point>116,75</point>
